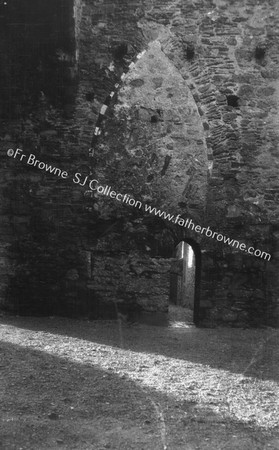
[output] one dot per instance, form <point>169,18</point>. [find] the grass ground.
<point>71,384</point>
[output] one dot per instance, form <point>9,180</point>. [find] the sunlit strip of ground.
<point>229,394</point>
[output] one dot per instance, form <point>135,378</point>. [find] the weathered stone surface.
<point>192,129</point>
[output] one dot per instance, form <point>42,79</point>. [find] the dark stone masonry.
<point>174,103</point>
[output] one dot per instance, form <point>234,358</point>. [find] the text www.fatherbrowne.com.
<point>177,219</point>
<point>188,223</point>
<point>127,199</point>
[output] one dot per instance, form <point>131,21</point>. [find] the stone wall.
<point>191,129</point>
<point>129,280</point>
<point>39,215</point>
<point>215,47</point>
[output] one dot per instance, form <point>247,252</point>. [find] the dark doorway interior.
<point>184,284</point>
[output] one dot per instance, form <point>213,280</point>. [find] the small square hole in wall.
<point>190,52</point>
<point>154,119</point>
<point>260,52</point>
<point>90,96</point>
<point>233,100</point>
<point>120,51</point>
<point>150,178</point>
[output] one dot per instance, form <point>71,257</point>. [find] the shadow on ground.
<point>49,403</point>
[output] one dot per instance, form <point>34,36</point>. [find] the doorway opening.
<point>184,285</point>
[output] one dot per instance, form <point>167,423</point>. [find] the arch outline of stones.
<point>108,100</point>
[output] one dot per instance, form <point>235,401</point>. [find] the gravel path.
<point>74,384</point>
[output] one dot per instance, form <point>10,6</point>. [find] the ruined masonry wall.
<point>213,157</point>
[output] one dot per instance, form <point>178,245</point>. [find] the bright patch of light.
<point>141,54</point>
<point>180,250</point>
<point>176,324</point>
<point>190,257</point>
